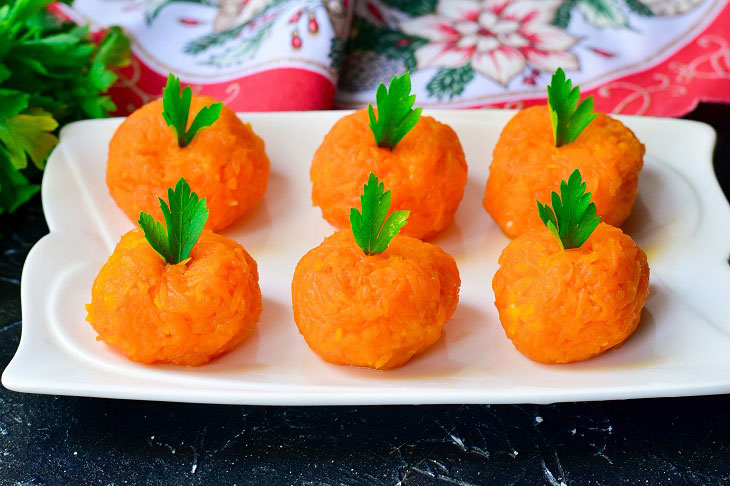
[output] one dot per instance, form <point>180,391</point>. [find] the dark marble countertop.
<point>70,440</point>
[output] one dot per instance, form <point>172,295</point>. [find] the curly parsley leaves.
<point>396,116</point>
<point>373,233</point>
<point>176,107</point>
<point>568,121</point>
<point>185,218</point>
<point>572,218</point>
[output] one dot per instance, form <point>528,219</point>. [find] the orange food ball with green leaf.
<point>220,156</point>
<point>420,159</point>
<point>572,288</point>
<point>177,294</point>
<point>542,145</point>
<point>370,297</point>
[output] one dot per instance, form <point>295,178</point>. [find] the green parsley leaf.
<point>20,12</point>
<point>205,118</point>
<point>5,73</point>
<point>58,51</point>
<point>113,52</point>
<point>156,235</point>
<point>176,108</point>
<point>28,132</point>
<point>97,107</point>
<point>185,218</point>
<point>14,186</point>
<point>396,116</point>
<point>373,233</point>
<point>12,102</point>
<point>568,122</point>
<point>572,218</point>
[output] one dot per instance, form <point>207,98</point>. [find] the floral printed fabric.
<point>254,55</point>
<point>497,39</point>
<point>635,56</point>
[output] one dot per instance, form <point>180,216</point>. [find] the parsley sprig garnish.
<point>568,121</point>
<point>572,218</point>
<point>371,230</point>
<point>176,107</point>
<point>396,116</point>
<point>185,218</point>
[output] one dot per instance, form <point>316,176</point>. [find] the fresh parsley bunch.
<point>50,74</point>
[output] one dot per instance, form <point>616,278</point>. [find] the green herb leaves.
<point>28,133</point>
<point>113,51</point>
<point>176,107</point>
<point>51,73</point>
<point>185,218</point>
<point>572,218</point>
<point>396,116</point>
<point>568,121</point>
<point>371,230</point>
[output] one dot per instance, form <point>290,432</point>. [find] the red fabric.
<point>273,89</point>
<point>281,89</point>
<point>700,71</point>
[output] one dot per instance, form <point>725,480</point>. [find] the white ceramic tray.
<point>682,346</point>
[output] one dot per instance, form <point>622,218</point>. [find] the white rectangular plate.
<point>682,346</point>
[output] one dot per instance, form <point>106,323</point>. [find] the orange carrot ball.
<point>426,173</point>
<point>526,166</point>
<point>184,314</point>
<point>559,306</point>
<point>225,163</point>
<point>373,310</point>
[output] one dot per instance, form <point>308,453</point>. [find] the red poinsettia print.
<point>499,38</point>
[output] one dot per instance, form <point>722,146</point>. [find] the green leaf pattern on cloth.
<point>503,49</point>
<point>603,13</point>
<point>450,82</point>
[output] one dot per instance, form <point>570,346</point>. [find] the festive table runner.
<point>653,57</point>
<point>656,57</point>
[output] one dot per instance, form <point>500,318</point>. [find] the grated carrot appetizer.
<point>572,288</point>
<point>221,157</point>
<point>165,296</point>
<point>534,153</point>
<point>417,157</point>
<point>370,297</point>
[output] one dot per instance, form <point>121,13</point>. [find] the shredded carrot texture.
<point>376,311</point>
<point>225,163</point>
<point>426,173</point>
<point>527,167</point>
<point>184,314</point>
<point>559,306</point>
